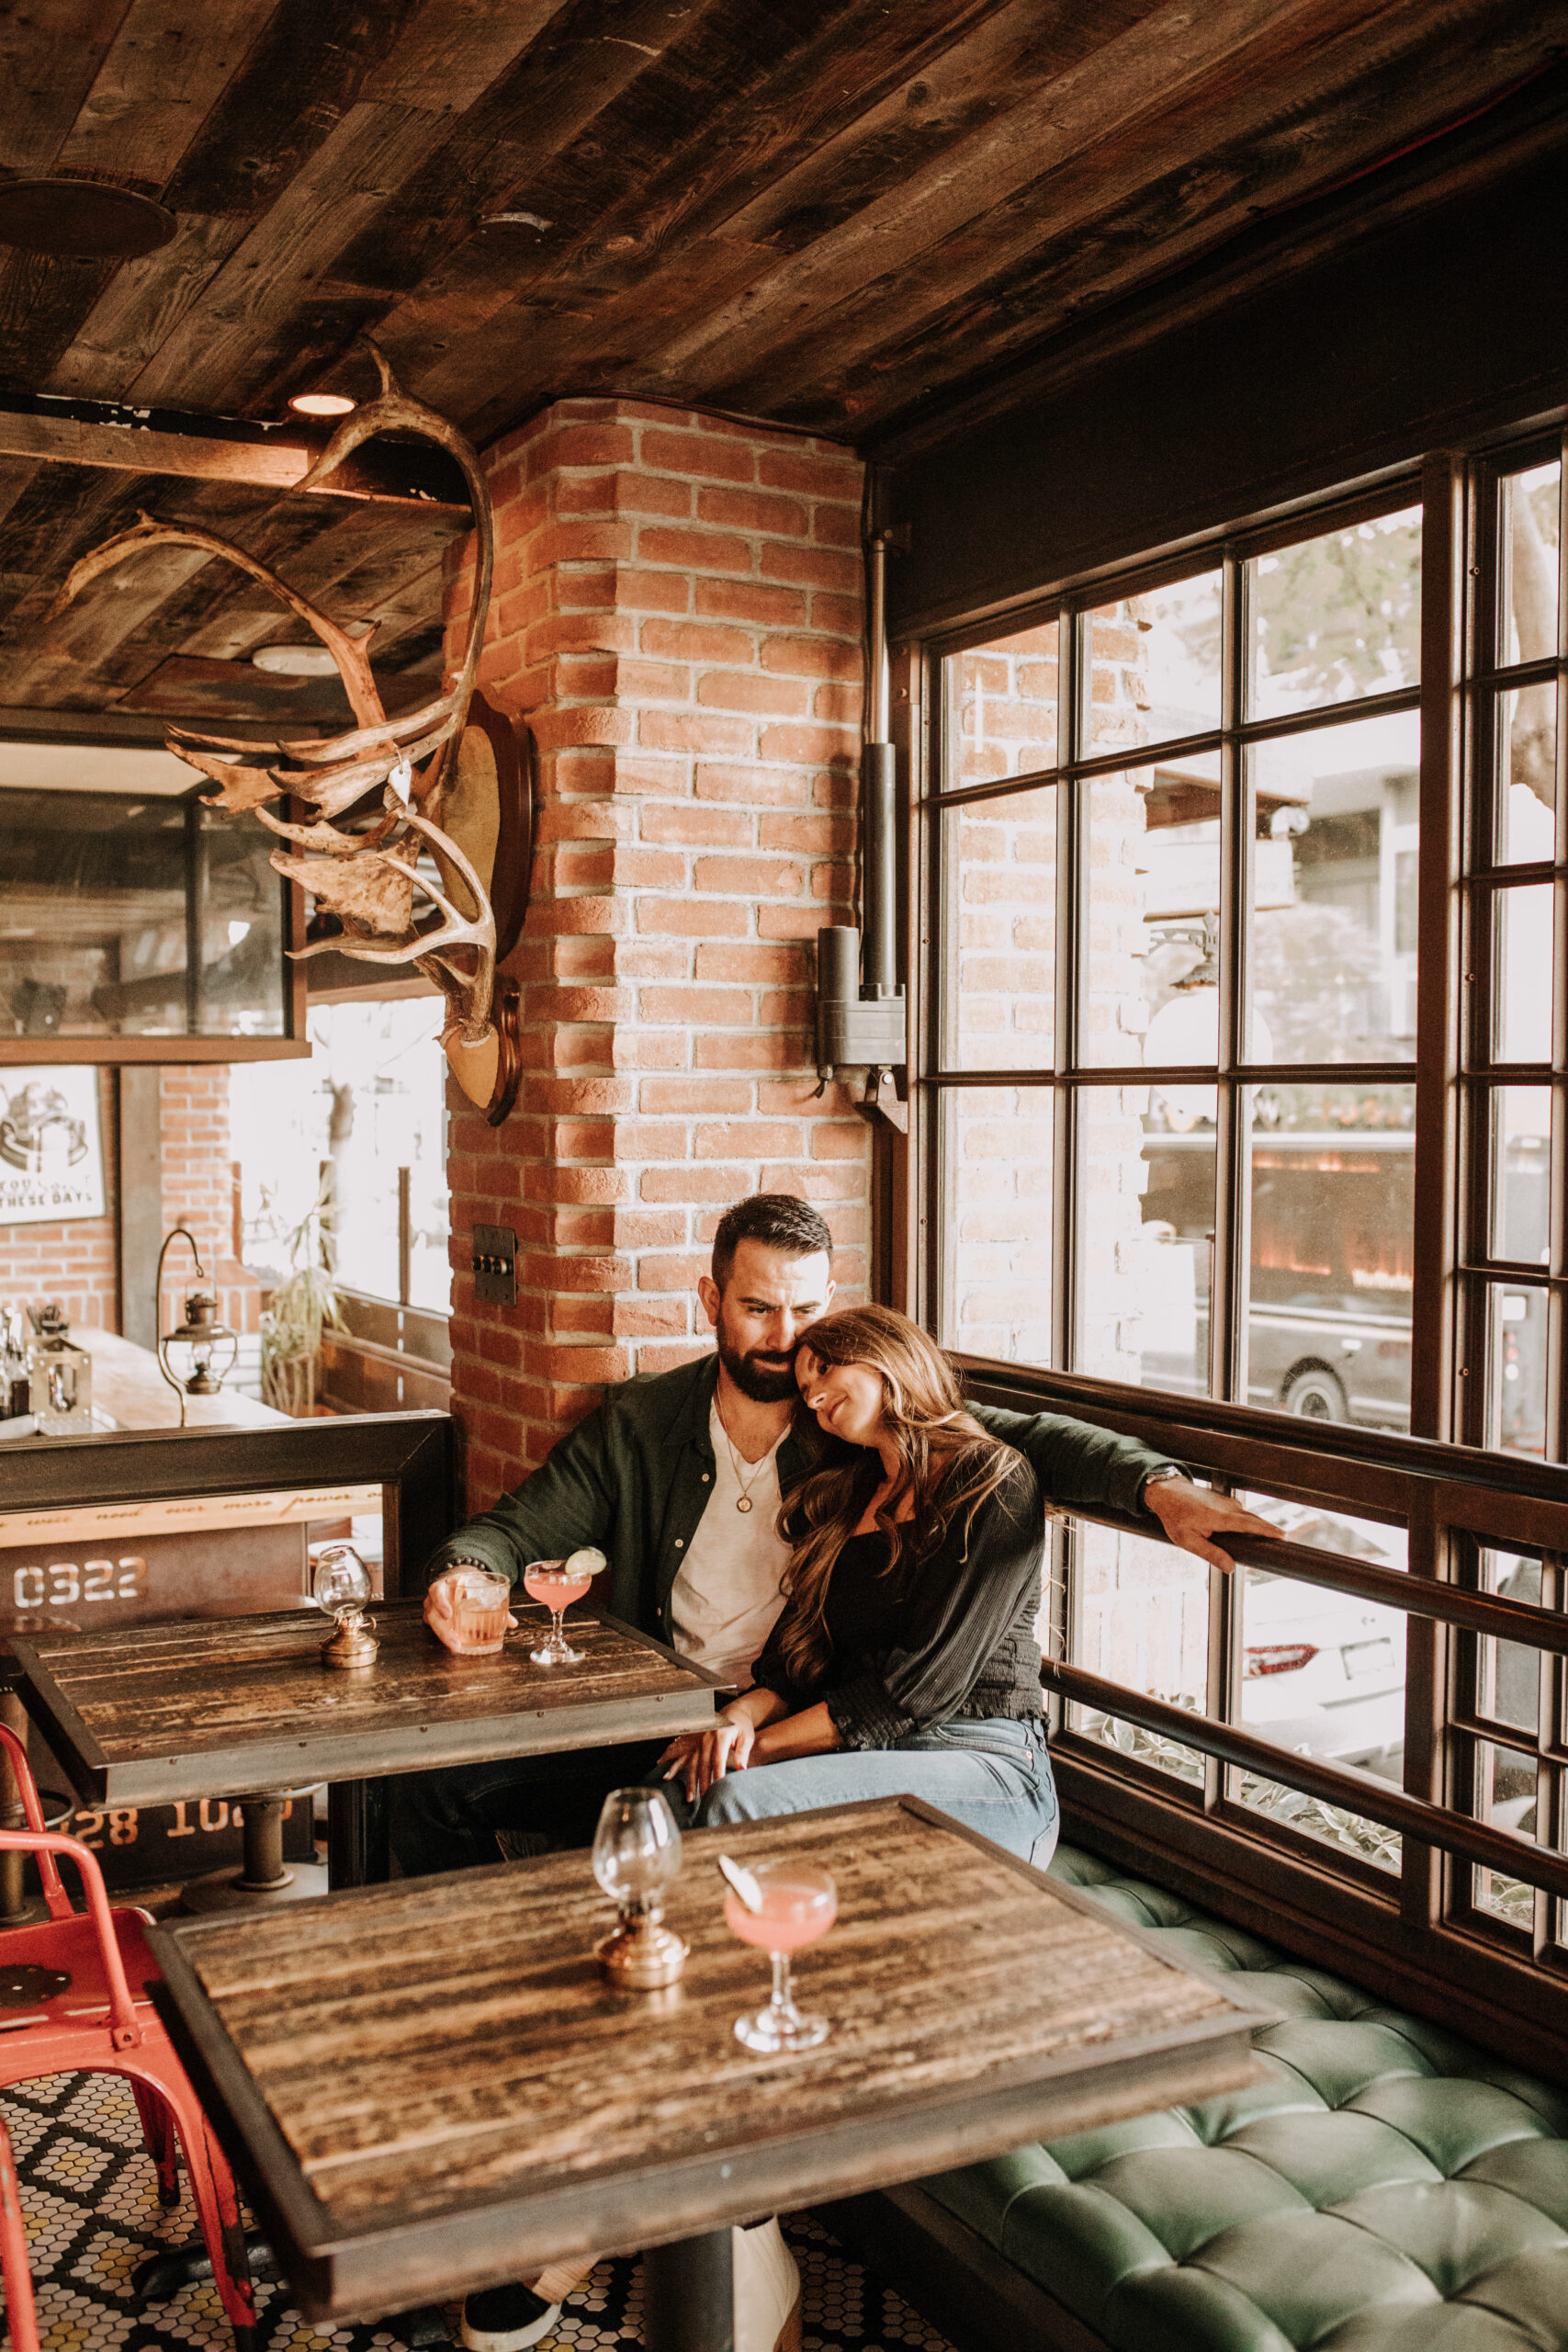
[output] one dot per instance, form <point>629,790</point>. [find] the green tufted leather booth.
<point>1390,2188</point>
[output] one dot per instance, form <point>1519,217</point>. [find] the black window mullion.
<point>1071,686</point>
<point>1227,1328</point>
<point>1438,1208</point>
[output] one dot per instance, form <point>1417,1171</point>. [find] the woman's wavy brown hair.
<point>947,1462</point>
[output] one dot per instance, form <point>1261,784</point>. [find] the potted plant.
<point>299,1308</point>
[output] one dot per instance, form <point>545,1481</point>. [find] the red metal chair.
<point>14,2264</point>
<point>71,1977</point>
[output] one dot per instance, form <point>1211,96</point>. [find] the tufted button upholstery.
<point>1389,2188</point>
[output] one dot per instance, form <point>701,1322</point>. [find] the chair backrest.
<point>54,1894</point>
<point>124,2030</point>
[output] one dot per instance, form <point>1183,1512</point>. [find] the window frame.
<point>1481,1494</point>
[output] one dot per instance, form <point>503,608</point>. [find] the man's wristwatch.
<point>1159,1478</point>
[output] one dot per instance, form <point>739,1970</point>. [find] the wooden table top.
<point>143,1714</point>
<point>432,2086</point>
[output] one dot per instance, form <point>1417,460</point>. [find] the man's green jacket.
<point>635,1477</point>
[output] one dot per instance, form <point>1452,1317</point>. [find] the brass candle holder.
<point>640,1954</point>
<point>636,1853</point>
<point>342,1587</point>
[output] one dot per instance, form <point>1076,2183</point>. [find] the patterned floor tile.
<point>90,2197</point>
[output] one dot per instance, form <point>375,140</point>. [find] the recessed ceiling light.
<point>82,217</point>
<point>295,661</point>
<point>322,403</point>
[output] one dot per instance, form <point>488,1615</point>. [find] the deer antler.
<point>367,879</point>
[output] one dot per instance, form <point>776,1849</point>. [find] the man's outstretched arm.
<point>1082,1467</point>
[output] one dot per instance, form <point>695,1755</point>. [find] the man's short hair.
<point>777,1219</point>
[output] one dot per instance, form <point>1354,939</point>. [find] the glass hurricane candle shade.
<point>341,1587</point>
<point>636,1854</point>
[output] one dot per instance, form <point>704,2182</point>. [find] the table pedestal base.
<point>262,1877</point>
<point>688,2295</point>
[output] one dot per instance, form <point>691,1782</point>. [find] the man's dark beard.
<point>765,1382</point>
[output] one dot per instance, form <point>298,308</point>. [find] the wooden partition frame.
<point>415,1454</point>
<point>1412,1937</point>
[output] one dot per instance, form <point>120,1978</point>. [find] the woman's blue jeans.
<point>991,1774</point>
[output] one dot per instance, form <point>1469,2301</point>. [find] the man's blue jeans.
<point>991,1774</point>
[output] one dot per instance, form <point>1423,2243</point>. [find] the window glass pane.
<point>1148,988</point>
<point>1520,1173</point>
<point>1150,1747</point>
<point>1139,1615</point>
<point>103,892</point>
<point>1325,1529</point>
<point>1337,617</point>
<point>999,880</point>
<point>1503,1786</point>
<point>994,1289</point>
<point>1516,1367</point>
<point>1328,1314</point>
<point>1527,521</point>
<point>1352,1833</point>
<point>1154,664</point>
<point>1001,708</point>
<point>371,1099</point>
<point>1145,1214</point>
<point>1333,904</point>
<point>1521,965</point>
<point>1507,1674</point>
<point>1323,1673</point>
<point>1526,732</point>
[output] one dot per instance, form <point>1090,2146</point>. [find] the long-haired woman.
<point>906,1660</point>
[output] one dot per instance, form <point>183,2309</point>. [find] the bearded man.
<point>677,1477</point>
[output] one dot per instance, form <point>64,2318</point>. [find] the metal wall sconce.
<point>207,1348</point>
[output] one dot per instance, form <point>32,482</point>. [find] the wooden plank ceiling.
<point>836,214</point>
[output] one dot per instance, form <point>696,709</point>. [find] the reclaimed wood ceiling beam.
<point>1056,250</point>
<point>46,425</point>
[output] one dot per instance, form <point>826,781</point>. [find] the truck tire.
<point>1315,1395</point>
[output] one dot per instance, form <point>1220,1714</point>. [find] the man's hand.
<point>1193,1516</point>
<point>701,1757</point>
<point>438,1612</point>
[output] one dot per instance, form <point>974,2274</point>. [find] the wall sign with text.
<point>51,1154</point>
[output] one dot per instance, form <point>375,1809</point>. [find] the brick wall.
<point>677,612</point>
<point>199,1192</point>
<point>75,1262</point>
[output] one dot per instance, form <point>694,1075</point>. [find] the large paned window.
<point>1179,1151</point>
<point>1244,1021</point>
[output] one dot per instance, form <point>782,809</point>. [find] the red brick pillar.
<point>198,1157</point>
<point>677,614</point>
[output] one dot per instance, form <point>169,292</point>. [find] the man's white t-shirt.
<point>727,1594</point>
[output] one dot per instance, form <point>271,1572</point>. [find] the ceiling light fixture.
<point>82,219</point>
<point>295,661</point>
<point>322,404</point>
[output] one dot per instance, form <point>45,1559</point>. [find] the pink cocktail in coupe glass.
<point>556,1586</point>
<point>800,1903</point>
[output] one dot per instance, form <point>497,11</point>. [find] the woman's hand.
<point>701,1757</point>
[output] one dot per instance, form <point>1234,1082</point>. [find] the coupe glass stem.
<point>782,2002</point>
<point>557,1634</point>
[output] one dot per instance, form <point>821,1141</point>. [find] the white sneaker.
<point>506,2319</point>
<point>767,2291</point>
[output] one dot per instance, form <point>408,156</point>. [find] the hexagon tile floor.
<point>90,2201</point>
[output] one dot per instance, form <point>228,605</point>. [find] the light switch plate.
<point>495,1265</point>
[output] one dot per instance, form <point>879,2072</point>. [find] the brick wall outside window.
<point>677,613</point>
